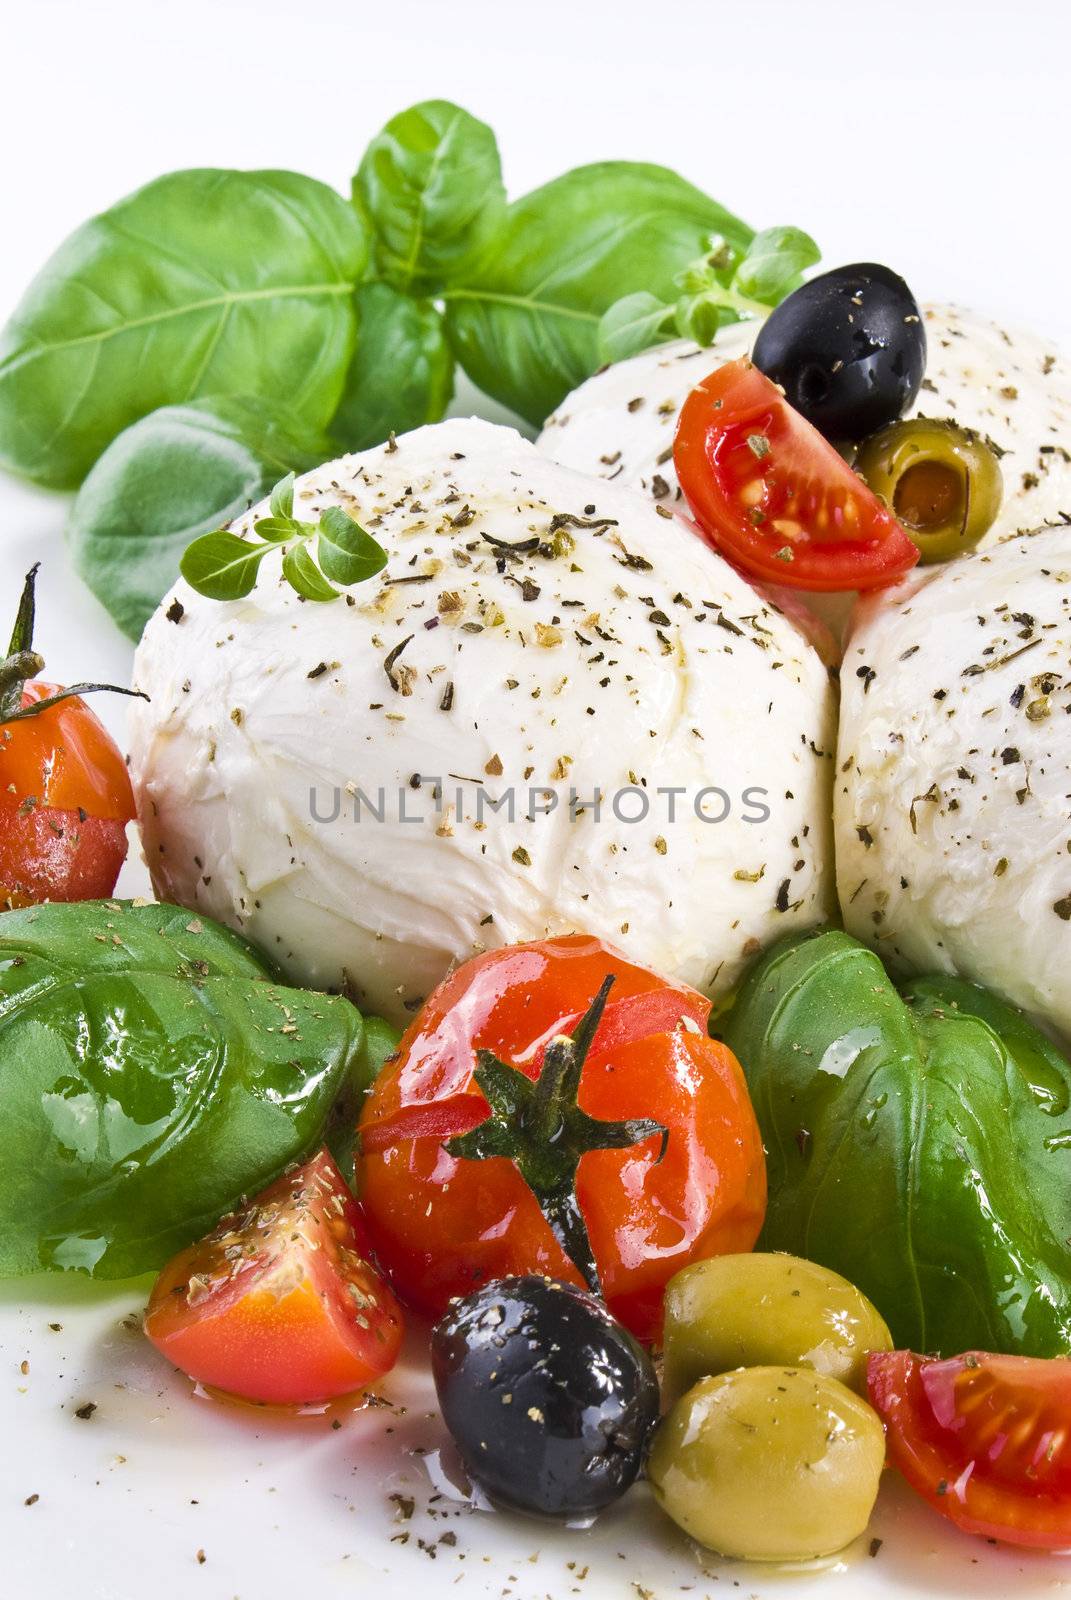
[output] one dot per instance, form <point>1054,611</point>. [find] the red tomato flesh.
<point>986,1439</point>
<point>279,1303</point>
<point>442,1224</point>
<point>774,496</point>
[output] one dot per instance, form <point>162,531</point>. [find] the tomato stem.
<point>539,1126</point>
<point>23,663</point>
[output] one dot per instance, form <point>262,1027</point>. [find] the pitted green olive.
<point>942,483</point>
<point>767,1310</point>
<point>769,1464</point>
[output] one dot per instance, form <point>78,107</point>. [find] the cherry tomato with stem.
<point>557,1109</point>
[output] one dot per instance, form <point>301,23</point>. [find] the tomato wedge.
<point>774,497</point>
<point>986,1439</point>
<point>279,1302</point>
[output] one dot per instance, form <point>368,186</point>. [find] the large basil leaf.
<point>152,1070</point>
<point>525,326</point>
<point>402,371</point>
<point>203,282</point>
<point>430,185</point>
<point>917,1143</point>
<point>178,473</point>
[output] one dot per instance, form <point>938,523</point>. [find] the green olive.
<point>942,483</point>
<point>767,1310</point>
<point>769,1464</point>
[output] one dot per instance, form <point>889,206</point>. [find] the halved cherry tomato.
<point>774,497</point>
<point>279,1303</point>
<point>443,1221</point>
<point>986,1439</point>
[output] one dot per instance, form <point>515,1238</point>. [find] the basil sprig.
<point>721,286</point>
<point>224,566</point>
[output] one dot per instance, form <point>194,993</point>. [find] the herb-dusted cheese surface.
<point>953,773</point>
<point>325,777</point>
<point>1006,384</point>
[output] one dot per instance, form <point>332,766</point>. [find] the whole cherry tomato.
<point>65,796</point>
<point>557,1109</point>
<point>279,1303</point>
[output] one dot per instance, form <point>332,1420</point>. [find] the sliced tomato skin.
<point>740,491</point>
<point>65,800</point>
<point>280,1303</point>
<point>984,1438</point>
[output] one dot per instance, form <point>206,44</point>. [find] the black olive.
<point>549,1400</point>
<point>848,348</point>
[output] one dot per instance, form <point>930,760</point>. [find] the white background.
<point>931,136</point>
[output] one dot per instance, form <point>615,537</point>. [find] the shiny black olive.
<point>848,348</point>
<point>549,1400</point>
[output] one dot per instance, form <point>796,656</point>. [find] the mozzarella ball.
<point>1005,384</point>
<point>952,809</point>
<point>324,777</point>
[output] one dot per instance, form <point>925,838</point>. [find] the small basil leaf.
<point>345,551</point>
<point>277,530</point>
<point>181,472</point>
<point>525,324</point>
<point>282,498</point>
<point>632,324</point>
<point>402,372</point>
<point>430,184</point>
<point>203,282</point>
<point>698,317</point>
<point>773,264</point>
<point>304,576</point>
<point>222,566</point>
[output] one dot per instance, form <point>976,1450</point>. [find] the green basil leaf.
<point>282,498</point>
<point>774,264</point>
<point>632,324</point>
<point>919,1143</point>
<point>203,282</point>
<point>153,1069</point>
<point>379,1043</point>
<point>430,185</point>
<point>699,316</point>
<point>345,551</point>
<point>180,472</point>
<point>525,326</point>
<point>402,372</point>
<point>303,575</point>
<point>277,530</point>
<point>222,566</point>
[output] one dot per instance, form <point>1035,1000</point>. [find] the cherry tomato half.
<point>65,801</point>
<point>279,1302</point>
<point>442,1223</point>
<point>984,1438</point>
<point>774,497</point>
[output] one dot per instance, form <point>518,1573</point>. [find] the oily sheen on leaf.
<point>919,1143</point>
<point>153,1070</point>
